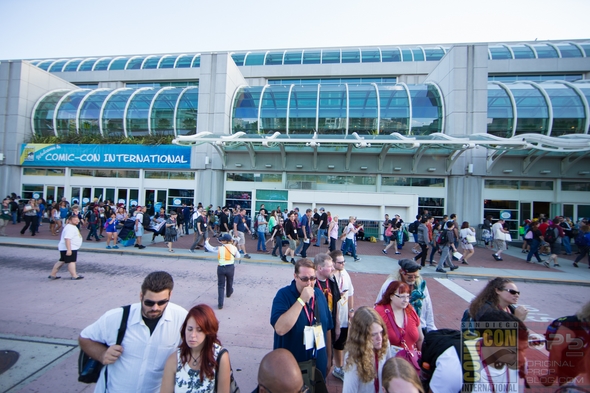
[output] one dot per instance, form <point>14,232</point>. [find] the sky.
<point>38,29</point>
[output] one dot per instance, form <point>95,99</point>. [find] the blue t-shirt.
<point>293,339</point>
<point>238,219</point>
<point>306,223</point>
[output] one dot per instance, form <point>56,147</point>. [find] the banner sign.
<point>106,156</point>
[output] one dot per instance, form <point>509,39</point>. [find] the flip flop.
<point>170,250</point>
<point>77,278</point>
<point>54,278</point>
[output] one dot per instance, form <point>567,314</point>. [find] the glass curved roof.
<point>118,112</point>
<point>535,50</point>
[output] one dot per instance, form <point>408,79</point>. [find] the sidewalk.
<point>481,265</point>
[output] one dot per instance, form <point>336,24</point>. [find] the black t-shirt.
<point>316,219</point>
<point>151,323</point>
<point>324,219</point>
<point>291,229</point>
<point>201,223</point>
<point>223,222</point>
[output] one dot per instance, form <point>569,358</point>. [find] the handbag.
<point>411,355</point>
<point>88,368</point>
<point>471,239</point>
<point>233,385</point>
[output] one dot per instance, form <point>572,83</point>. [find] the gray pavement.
<point>43,318</point>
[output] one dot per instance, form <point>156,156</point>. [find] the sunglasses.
<point>151,303</point>
<point>307,279</point>
<point>511,291</point>
<point>340,262</point>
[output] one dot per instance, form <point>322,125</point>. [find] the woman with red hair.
<point>403,324</point>
<point>194,367</point>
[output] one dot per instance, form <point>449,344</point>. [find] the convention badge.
<point>319,336</point>
<point>308,337</point>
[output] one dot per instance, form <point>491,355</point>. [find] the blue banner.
<point>106,156</point>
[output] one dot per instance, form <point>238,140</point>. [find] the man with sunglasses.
<point>301,318</point>
<point>419,295</point>
<point>153,334</point>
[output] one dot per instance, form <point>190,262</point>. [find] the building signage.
<point>109,156</point>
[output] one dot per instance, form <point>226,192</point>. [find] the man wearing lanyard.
<point>345,310</point>
<point>324,267</point>
<point>301,318</point>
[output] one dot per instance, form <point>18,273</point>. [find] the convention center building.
<point>471,129</point>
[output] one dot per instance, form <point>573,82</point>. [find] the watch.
<point>351,310</point>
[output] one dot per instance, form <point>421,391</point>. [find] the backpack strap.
<point>120,335</point>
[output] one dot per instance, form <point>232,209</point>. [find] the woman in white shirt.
<point>367,349</point>
<point>467,247</point>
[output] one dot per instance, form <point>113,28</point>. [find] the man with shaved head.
<point>279,372</point>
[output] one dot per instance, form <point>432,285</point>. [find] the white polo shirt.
<point>141,366</point>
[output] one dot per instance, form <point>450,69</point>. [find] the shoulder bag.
<point>88,368</point>
<point>233,386</point>
<point>411,355</point>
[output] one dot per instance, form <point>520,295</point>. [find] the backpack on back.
<point>413,228</point>
<point>146,220</point>
<point>550,235</point>
<point>442,238</point>
<point>435,343</point>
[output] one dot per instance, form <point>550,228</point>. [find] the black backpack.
<point>551,235</point>
<point>146,220</point>
<point>443,237</point>
<point>435,343</point>
<point>413,228</point>
<point>88,368</point>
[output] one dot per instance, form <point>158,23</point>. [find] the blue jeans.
<point>351,248</point>
<point>93,228</point>
<point>534,251</point>
<point>321,232</point>
<point>279,245</point>
<point>14,214</point>
<point>261,241</point>
<point>567,245</point>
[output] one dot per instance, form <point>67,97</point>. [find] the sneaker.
<point>293,261</point>
<point>357,259</point>
<point>247,256</point>
<point>108,247</point>
<point>193,251</point>
<point>141,247</point>
<point>465,263</point>
<point>338,373</point>
<point>575,264</point>
<point>453,268</point>
<point>136,245</point>
<point>115,247</point>
<point>546,264</point>
<point>397,252</point>
<point>384,252</point>
<point>441,270</point>
<point>284,259</point>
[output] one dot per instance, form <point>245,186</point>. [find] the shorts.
<point>466,246</point>
<point>139,232</point>
<point>500,244</point>
<point>555,248</point>
<point>67,259</point>
<point>292,244</point>
<point>241,238</point>
<point>339,344</point>
<point>387,239</point>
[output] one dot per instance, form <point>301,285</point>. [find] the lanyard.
<point>487,370</point>
<point>309,314</point>
<point>376,383</point>
<point>327,286</point>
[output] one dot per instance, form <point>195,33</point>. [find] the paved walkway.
<point>44,318</point>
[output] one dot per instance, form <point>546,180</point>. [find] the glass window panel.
<point>273,113</point>
<point>332,110</point>
<point>303,110</point>
<point>390,55</point>
<point>575,186</point>
<point>522,52</point>
<point>90,111</point>
<point>418,54</point>
<point>427,182</point>
<point>363,110</point>
<point>72,65</point>
<point>500,113</point>
<point>395,110</point>
<point>87,64</point>
<point>500,52</point>
<point>58,65</point>
<point>29,191</point>
<point>274,58</point>
<point>167,62</point>
<point>255,58</point>
<point>184,61</point>
<point>138,113</point>
<point>396,181</point>
<point>43,117</point>
<point>533,115</point>
<point>312,57</point>
<point>135,64</point>
<point>67,111</point>
<point>330,56</point>
<point>546,185</point>
<point>545,51</point>
<point>371,55</point>
<point>44,65</point>
<point>186,113</point>
<point>426,110</point>
<point>435,206</point>
<point>196,61</point>
<point>238,58</point>
<point>151,62</point>
<point>407,54</point>
<point>351,56</point>
<point>568,110</point>
<point>102,64</point>
<point>434,54</point>
<point>569,50</point>
<point>245,111</point>
<point>586,47</point>
<point>293,57</point>
<point>118,64</point>
<point>502,184</point>
<point>162,118</point>
<point>114,108</point>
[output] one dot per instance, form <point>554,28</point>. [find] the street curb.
<point>513,278</point>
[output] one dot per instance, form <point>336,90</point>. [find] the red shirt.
<point>543,227</point>
<point>411,330</point>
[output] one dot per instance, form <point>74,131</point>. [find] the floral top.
<point>189,381</point>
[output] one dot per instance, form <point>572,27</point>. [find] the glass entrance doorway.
<point>154,200</point>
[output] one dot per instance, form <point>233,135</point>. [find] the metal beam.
<point>382,155</point>
<point>348,154</point>
<point>531,159</point>
<point>569,160</point>
<point>417,156</point>
<point>493,159</point>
